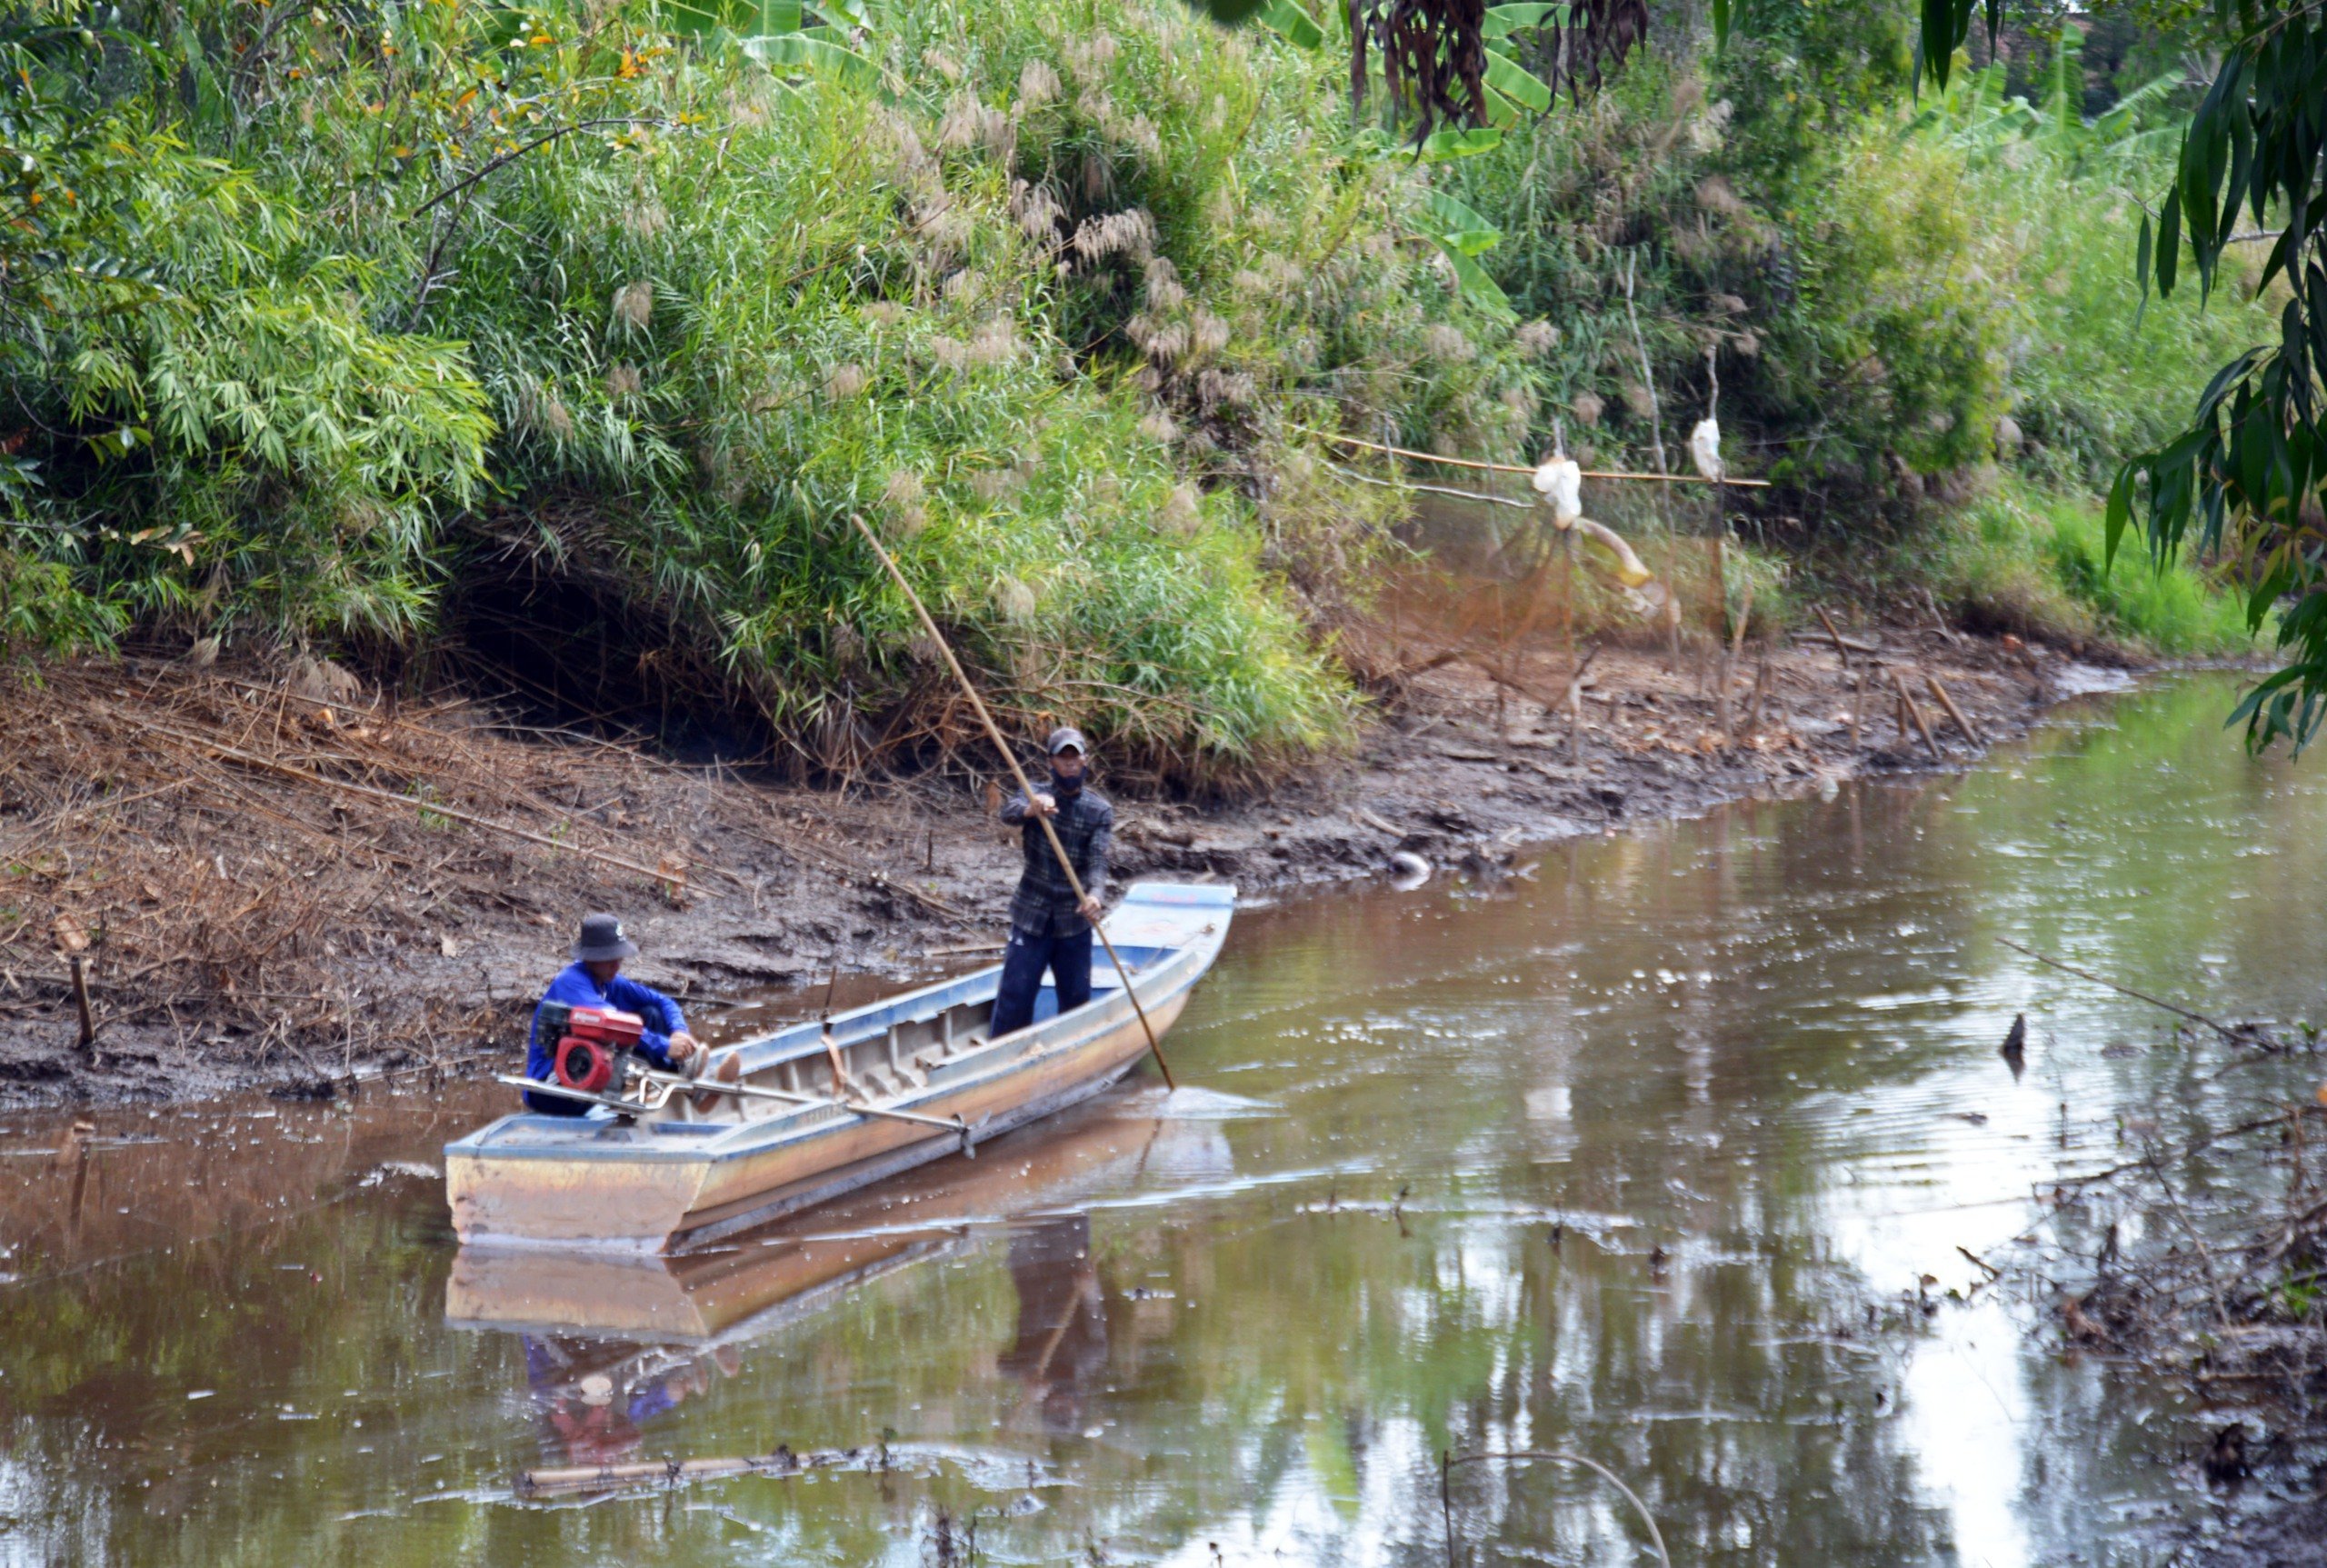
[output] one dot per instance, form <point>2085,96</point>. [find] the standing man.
<point>1048,928</point>
<point>595,979</point>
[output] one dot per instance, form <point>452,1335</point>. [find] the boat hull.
<point>599,1182</point>
<point>781,1273</point>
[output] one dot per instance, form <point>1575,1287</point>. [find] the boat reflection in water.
<point>614,1341</point>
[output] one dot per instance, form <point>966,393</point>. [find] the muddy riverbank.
<point>276,878</point>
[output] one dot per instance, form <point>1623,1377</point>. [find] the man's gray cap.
<point>1066,735</point>
<point>601,938</point>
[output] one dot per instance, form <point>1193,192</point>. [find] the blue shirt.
<point>575,987</point>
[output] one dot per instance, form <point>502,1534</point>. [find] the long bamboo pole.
<point>1010,760</point>
<point>1523,468</point>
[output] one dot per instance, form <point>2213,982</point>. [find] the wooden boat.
<point>759,1283</point>
<point>668,1178</point>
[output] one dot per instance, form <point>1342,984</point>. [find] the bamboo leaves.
<point>1946,24</point>
<point>2251,471</point>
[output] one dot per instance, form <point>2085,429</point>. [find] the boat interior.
<point>899,1046</point>
<point>899,1049</point>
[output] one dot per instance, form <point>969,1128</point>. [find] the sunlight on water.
<point>1674,1156</point>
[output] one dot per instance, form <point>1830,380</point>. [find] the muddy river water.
<point>1662,1157</point>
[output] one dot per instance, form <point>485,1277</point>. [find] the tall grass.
<point>1924,318</point>
<point>1053,302</point>
<point>2030,560</point>
<point>352,317</point>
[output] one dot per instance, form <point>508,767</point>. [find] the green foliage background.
<point>1924,313</point>
<point>411,302</point>
<point>340,331</point>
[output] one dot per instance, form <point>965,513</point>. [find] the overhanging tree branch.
<point>502,160</point>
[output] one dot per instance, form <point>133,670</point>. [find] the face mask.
<point>1065,786</point>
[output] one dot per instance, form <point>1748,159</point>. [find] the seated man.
<point>594,980</point>
<point>1050,928</point>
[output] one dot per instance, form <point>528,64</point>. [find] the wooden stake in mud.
<point>1842,648</point>
<point>1899,684</point>
<point>1575,700</point>
<point>1010,760</point>
<point>832,1051</point>
<point>1947,702</point>
<point>81,1003</point>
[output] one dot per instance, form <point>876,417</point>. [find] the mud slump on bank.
<point>1644,1158</point>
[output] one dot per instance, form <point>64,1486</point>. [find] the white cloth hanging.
<point>1704,447</point>
<point>1561,483</point>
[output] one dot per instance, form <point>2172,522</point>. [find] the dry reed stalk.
<point>1754,703</point>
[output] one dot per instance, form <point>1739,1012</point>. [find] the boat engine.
<point>597,1047</point>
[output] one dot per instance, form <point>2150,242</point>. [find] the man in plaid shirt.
<point>1048,928</point>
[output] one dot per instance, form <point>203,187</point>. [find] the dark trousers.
<point>1068,958</point>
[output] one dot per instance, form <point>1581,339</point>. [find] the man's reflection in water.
<point>594,1395</point>
<point>1062,1345</point>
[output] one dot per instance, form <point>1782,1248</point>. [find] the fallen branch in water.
<point>2191,1268</point>
<point>2223,1030</point>
<point>2275,1119</point>
<point>1446,1462</point>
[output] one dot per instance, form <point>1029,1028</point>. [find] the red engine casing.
<point>586,1054</point>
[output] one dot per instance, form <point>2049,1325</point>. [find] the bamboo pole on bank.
<point>1010,760</point>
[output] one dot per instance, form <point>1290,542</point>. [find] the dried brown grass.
<point>244,867</point>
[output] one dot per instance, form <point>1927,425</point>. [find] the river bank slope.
<point>280,879</point>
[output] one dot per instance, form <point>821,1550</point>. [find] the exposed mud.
<point>2199,1263</point>
<point>275,880</point>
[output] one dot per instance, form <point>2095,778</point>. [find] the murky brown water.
<point>1672,1122</point>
